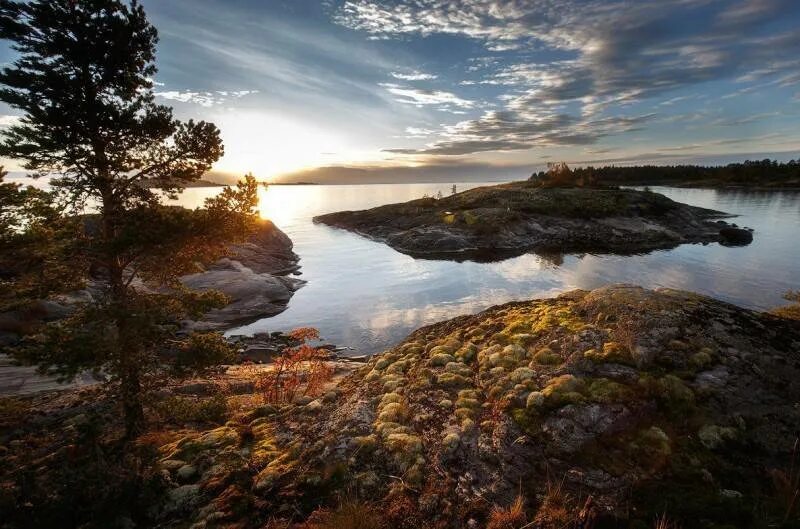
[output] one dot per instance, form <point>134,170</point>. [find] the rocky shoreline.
<point>496,222</point>
<point>257,276</point>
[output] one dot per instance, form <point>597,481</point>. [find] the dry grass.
<point>664,523</point>
<point>557,510</point>
<point>512,517</point>
<point>349,515</point>
<point>159,438</point>
<point>787,485</point>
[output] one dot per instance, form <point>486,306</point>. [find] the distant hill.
<point>474,172</point>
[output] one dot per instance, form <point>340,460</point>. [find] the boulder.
<point>731,236</point>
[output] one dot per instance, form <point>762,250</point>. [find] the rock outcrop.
<point>492,223</point>
<point>617,405</point>
<point>256,276</point>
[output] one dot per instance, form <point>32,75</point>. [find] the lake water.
<point>364,295</point>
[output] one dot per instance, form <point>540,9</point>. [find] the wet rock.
<point>732,236</point>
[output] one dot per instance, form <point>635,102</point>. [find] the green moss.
<point>564,390</point>
<point>535,400</point>
<point>382,364</point>
<point>464,413</point>
<point>546,356</point>
<point>713,436</point>
<point>515,352</point>
<point>372,376</point>
<point>467,353</point>
<point>451,442</point>
<point>393,412</point>
<point>452,380</point>
<point>521,374</point>
<point>607,391</point>
<point>468,426</point>
<point>526,421</point>
<point>389,398</point>
<point>517,327</point>
<point>675,394</point>
<point>457,368</point>
<point>500,338</point>
<point>405,447</point>
<point>498,371</point>
<point>399,367</point>
<point>651,447</point>
<point>441,359</point>
<point>468,403</point>
<point>701,359</point>
<point>365,444</point>
<point>468,394</point>
<point>613,352</point>
<point>678,345</point>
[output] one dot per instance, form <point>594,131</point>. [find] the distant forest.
<point>751,173</point>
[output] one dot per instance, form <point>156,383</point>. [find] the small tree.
<point>38,249</point>
<point>83,83</point>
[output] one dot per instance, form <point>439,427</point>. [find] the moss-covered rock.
<point>646,401</point>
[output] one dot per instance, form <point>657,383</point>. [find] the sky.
<point>429,90</point>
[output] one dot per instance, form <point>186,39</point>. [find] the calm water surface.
<point>364,295</point>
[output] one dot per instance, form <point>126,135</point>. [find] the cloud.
<point>417,132</point>
<point>204,99</point>
<point>722,142</point>
<point>413,76</point>
<point>7,121</point>
<point>609,55</point>
<point>733,122</point>
<point>420,97</point>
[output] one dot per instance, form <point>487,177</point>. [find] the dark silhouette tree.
<point>83,82</point>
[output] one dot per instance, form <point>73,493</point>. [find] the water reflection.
<point>365,295</point>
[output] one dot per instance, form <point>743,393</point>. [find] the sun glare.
<point>269,144</point>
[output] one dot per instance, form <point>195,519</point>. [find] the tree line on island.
<point>748,174</point>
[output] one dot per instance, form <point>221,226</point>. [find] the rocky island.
<point>614,406</point>
<point>495,222</point>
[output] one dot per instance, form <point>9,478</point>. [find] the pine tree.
<point>83,83</point>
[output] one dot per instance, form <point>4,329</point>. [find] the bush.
<point>203,350</point>
<point>184,409</point>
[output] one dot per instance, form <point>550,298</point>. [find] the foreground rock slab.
<point>616,404</point>
<point>497,222</point>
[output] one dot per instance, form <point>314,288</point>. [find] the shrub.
<point>202,350</point>
<point>297,371</point>
<point>185,409</point>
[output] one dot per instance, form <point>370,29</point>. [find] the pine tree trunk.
<point>131,389</point>
<point>129,369</point>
